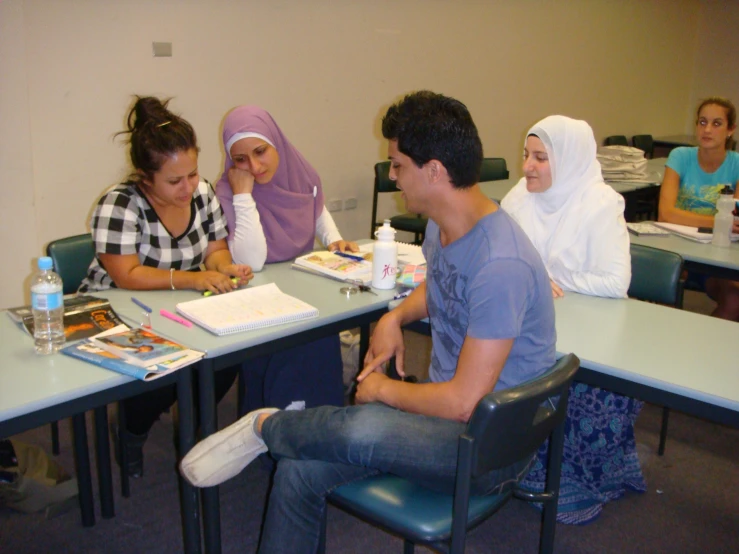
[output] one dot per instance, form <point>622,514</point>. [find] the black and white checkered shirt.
<point>125,223</point>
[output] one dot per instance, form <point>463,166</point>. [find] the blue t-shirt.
<point>699,190</point>
<point>489,284</point>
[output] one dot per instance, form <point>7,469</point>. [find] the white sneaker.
<point>224,454</point>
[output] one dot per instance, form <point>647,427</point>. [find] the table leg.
<point>84,480</point>
<point>208,426</point>
<point>188,494</point>
<point>364,337</point>
<point>102,450</point>
<point>123,451</point>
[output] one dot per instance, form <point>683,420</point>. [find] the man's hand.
<point>386,342</point>
<point>557,291</point>
<point>369,389</point>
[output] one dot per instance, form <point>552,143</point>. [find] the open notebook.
<point>246,310</point>
<point>690,232</point>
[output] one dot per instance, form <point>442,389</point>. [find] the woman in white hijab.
<point>576,223</point>
<point>574,219</point>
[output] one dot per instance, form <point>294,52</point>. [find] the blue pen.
<point>141,305</point>
<point>349,256</point>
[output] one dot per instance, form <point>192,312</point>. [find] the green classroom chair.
<point>656,276</point>
<point>506,426</point>
<point>645,143</point>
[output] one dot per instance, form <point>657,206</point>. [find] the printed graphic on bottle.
<point>389,270</point>
<point>47,301</point>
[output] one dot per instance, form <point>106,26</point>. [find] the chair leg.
<point>55,438</point>
<point>408,547</point>
<point>663,430</point>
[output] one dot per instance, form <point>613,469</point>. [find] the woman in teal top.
<point>693,180</point>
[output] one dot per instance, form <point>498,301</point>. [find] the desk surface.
<point>318,291</point>
<point>29,382</point>
<point>693,251</point>
<point>689,354</point>
<point>655,171</point>
<point>675,140</point>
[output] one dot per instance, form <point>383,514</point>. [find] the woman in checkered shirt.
<point>157,231</point>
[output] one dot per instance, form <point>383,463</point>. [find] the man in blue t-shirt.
<point>489,301</point>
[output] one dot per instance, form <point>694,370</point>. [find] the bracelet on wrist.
<point>171,278</point>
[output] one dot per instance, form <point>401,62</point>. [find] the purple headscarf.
<point>290,203</point>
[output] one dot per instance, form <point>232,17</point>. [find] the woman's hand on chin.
<point>241,181</point>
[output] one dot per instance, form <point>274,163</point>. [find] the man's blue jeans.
<point>323,448</point>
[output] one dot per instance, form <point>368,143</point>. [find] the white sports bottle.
<point>724,218</point>
<point>384,258</point>
<point>47,304</point>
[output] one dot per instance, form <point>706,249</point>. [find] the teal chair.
<point>645,143</point>
<point>656,276</point>
<point>492,169</point>
<point>71,257</point>
<point>616,140</point>
<point>506,426</point>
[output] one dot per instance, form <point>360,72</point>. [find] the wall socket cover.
<point>350,203</point>
<point>162,49</point>
<point>334,205</point>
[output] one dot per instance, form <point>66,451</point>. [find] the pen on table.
<point>176,318</point>
<point>141,305</point>
<point>349,256</point>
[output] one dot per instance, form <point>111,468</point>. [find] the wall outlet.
<point>334,205</point>
<point>350,203</point>
<point>162,49</point>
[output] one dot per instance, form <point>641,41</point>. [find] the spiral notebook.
<point>246,310</point>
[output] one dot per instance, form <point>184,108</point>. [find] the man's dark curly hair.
<point>430,126</point>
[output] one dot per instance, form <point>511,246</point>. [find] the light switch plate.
<point>162,49</point>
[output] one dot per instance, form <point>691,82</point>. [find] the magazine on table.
<point>337,266</point>
<point>89,351</point>
<point>84,316</point>
<point>140,346</point>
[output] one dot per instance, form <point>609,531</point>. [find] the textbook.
<point>140,347</point>
<point>337,266</point>
<point>691,233</point>
<point>84,317</point>
<point>246,309</point>
<point>412,275</point>
<point>646,229</point>
<point>87,351</point>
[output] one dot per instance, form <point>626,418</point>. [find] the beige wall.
<point>326,69</point>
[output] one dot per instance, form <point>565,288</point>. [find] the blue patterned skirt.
<point>599,461</point>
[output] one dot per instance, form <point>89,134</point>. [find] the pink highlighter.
<point>173,317</point>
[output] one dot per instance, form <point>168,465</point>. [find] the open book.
<point>88,351</point>
<point>646,229</point>
<point>337,266</point>
<point>246,309</point>
<point>407,253</point>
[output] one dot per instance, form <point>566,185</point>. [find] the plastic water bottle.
<point>724,218</point>
<point>47,303</point>
<point>384,258</point>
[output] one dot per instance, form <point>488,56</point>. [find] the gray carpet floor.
<point>692,503</point>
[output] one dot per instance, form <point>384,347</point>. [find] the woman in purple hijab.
<point>271,195</point>
<point>273,202</point>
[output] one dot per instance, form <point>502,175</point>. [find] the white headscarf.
<point>565,222</point>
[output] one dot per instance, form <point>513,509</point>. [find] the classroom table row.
<point>642,349</point>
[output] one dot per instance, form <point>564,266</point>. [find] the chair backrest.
<point>655,275</point>
<point>616,140</point>
<point>493,169</point>
<point>644,142</point>
<point>72,257</point>
<point>510,424</point>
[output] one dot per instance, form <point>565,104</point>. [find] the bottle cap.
<point>385,232</point>
<point>727,190</point>
<point>45,262</point>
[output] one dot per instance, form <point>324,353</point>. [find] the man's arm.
<point>478,368</point>
<point>387,338</point>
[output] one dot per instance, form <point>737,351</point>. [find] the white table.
<point>703,258</point>
<point>670,357</point>
<point>35,390</point>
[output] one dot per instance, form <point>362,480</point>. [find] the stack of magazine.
<point>96,334</point>
<point>136,352</point>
